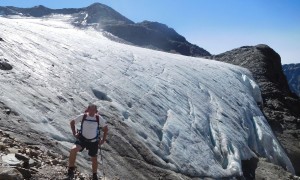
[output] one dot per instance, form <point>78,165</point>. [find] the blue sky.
<point>215,25</point>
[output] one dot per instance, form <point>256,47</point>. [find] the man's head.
<point>92,109</point>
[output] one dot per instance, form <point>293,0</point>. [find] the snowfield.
<point>199,117</point>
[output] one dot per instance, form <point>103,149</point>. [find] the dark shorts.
<point>92,147</point>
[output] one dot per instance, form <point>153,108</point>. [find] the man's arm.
<point>105,130</point>
<point>72,124</point>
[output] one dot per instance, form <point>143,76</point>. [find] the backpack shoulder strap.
<point>97,118</point>
<point>83,118</point>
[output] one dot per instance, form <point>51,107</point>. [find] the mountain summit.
<point>102,15</point>
<point>146,34</point>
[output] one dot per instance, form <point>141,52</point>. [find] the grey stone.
<point>13,150</point>
<point>52,154</point>
<point>6,140</point>
<point>33,163</point>
<point>8,173</point>
<point>11,160</point>
<point>26,173</point>
<point>22,157</point>
<point>2,146</point>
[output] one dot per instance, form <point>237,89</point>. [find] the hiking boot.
<point>95,176</point>
<point>70,174</point>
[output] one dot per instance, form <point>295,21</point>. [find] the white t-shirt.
<point>89,126</point>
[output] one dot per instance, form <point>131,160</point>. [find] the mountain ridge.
<point>160,36</point>
<point>292,73</point>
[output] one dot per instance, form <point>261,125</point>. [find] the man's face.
<point>92,110</point>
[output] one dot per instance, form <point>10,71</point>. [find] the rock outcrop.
<point>292,73</point>
<point>281,106</point>
<point>4,65</point>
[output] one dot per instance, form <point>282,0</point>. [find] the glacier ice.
<point>199,117</point>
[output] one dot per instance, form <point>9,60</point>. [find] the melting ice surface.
<point>199,117</point>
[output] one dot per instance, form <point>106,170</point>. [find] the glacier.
<point>198,117</point>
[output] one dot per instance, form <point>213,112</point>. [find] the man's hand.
<point>102,141</point>
<point>76,135</point>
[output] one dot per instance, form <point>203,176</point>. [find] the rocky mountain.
<point>280,106</point>
<point>292,73</point>
<point>37,11</point>
<point>147,34</point>
<point>155,35</point>
<point>170,116</point>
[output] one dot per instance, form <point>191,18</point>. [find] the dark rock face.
<point>4,65</point>
<point>281,106</point>
<point>156,36</point>
<point>147,34</point>
<point>292,73</point>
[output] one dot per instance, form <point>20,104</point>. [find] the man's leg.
<point>93,150</point>
<point>94,164</point>
<point>72,158</point>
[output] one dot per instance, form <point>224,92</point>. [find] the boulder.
<point>11,160</point>
<point>8,173</point>
<point>22,157</point>
<point>13,150</point>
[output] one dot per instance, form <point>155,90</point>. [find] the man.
<point>87,137</point>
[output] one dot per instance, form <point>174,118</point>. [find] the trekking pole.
<point>102,163</point>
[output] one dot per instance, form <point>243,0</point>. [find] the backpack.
<point>98,129</point>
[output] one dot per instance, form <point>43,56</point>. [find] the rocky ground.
<point>24,161</point>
